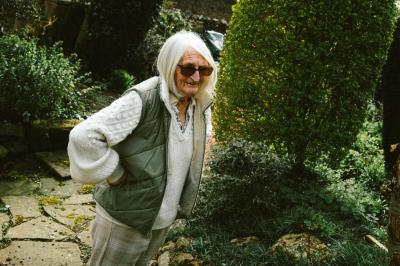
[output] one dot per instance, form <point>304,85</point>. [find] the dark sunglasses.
<point>189,70</point>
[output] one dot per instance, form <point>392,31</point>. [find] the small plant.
<point>121,80</point>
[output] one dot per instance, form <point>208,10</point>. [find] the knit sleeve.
<point>207,115</point>
<point>90,147</point>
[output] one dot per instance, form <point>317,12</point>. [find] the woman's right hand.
<point>120,181</point>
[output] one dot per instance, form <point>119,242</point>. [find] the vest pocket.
<point>138,195</point>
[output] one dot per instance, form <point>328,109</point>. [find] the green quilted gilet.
<point>144,156</point>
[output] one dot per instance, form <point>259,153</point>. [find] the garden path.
<point>48,221</point>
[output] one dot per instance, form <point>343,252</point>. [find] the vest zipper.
<point>202,160</point>
<point>166,171</point>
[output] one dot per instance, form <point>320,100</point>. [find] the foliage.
<point>248,181</point>
<point>252,191</point>
<point>364,161</point>
<point>17,13</point>
<point>247,175</point>
<point>291,78</point>
<point>37,82</point>
<point>212,244</point>
<point>168,22</point>
<point>115,27</point>
<point>356,253</point>
<point>121,80</point>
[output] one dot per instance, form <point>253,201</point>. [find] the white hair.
<point>172,51</point>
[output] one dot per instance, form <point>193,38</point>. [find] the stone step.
<point>57,161</point>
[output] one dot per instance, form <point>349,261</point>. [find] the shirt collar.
<point>173,100</point>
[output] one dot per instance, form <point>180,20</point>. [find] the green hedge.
<point>300,76</point>
<point>37,82</point>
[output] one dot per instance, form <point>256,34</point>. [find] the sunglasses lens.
<point>188,71</point>
<point>206,71</point>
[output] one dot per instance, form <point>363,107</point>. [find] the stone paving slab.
<point>70,215</point>
<point>57,160</point>
<point>22,207</point>
<point>17,187</point>
<point>85,236</point>
<point>65,189</point>
<point>79,199</point>
<point>40,228</point>
<point>41,253</point>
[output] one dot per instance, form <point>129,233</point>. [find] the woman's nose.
<point>195,76</point>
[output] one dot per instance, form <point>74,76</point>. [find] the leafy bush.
<point>166,24</point>
<point>121,80</point>
<point>247,176</point>
<point>292,74</point>
<point>249,182</point>
<point>365,159</point>
<point>37,82</point>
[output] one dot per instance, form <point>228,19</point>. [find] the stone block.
<point>57,161</point>
<point>49,135</point>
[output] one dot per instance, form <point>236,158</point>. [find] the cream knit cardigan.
<point>93,159</point>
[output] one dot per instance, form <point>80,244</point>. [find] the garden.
<point>301,168</point>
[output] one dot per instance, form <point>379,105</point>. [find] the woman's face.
<point>189,85</point>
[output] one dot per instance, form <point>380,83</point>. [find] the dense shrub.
<point>245,177</point>
<point>168,22</point>
<point>248,182</point>
<point>365,159</point>
<point>114,28</point>
<point>121,80</point>
<point>36,82</point>
<point>300,76</point>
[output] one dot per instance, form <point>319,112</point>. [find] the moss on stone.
<point>49,200</point>
<point>86,189</point>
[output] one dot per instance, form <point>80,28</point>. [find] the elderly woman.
<point>146,153</point>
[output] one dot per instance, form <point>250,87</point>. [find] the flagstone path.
<point>46,221</point>
<point>50,228</point>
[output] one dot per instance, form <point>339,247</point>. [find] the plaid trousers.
<point>120,245</point>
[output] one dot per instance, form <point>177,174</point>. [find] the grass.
<point>211,243</point>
